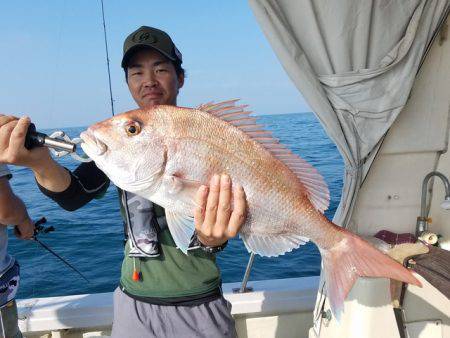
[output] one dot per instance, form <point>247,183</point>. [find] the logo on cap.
<point>143,36</point>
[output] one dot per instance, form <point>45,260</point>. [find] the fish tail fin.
<point>353,257</point>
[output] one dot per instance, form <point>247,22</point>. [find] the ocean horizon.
<point>49,130</point>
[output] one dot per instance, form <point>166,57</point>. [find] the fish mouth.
<point>92,144</point>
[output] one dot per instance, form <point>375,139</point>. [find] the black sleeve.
<point>86,183</point>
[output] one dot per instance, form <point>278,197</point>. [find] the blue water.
<point>91,238</point>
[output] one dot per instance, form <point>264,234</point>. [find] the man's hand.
<point>25,229</point>
<point>12,140</point>
<point>48,173</point>
<point>215,220</point>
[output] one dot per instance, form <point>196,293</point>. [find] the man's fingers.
<point>28,235</point>
<point>18,233</point>
<point>199,212</point>
<point>4,119</point>
<point>24,230</point>
<point>237,218</point>
<point>5,133</point>
<point>224,207</point>
<point>214,220</point>
<point>211,206</point>
<point>17,140</point>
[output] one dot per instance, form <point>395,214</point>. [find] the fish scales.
<point>243,162</point>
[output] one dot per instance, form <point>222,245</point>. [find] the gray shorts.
<point>135,319</point>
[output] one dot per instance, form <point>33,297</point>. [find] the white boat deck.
<point>62,316</point>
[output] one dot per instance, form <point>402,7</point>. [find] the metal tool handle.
<point>35,139</point>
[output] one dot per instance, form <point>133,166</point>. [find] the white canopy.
<point>355,63</point>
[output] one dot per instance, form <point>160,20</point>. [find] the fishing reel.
<point>40,229</point>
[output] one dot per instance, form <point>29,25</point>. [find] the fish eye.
<point>133,129</point>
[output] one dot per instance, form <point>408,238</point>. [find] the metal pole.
<point>422,224</point>
<point>244,287</point>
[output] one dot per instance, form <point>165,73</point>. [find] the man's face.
<point>152,79</point>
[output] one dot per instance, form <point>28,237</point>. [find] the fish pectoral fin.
<point>181,228</point>
<point>272,245</point>
<point>184,189</point>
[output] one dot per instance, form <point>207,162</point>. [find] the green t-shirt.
<point>172,274</point>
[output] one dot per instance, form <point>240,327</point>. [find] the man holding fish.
<point>169,155</point>
<point>165,290</point>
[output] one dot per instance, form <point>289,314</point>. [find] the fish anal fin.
<point>272,245</point>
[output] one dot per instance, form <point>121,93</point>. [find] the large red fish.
<point>165,153</point>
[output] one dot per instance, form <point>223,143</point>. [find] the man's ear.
<point>180,80</point>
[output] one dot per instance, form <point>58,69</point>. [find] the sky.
<point>53,63</point>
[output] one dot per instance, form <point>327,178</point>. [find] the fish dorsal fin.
<point>236,115</point>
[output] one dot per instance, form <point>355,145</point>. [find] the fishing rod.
<point>38,229</point>
<point>58,142</point>
<point>61,147</point>
<point>107,59</point>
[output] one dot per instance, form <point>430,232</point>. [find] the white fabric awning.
<point>355,63</point>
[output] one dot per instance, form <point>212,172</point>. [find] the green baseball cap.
<point>149,37</point>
